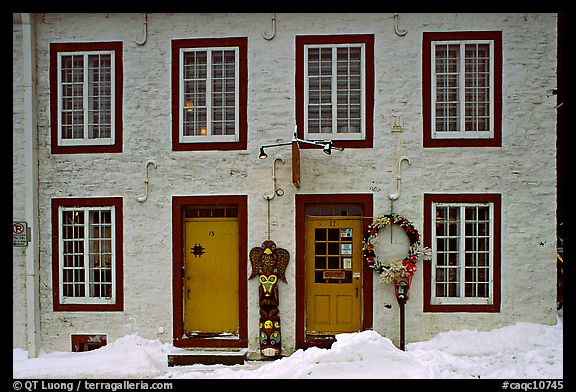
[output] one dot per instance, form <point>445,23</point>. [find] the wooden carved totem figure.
<point>269,264</point>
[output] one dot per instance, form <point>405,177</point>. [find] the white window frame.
<point>86,140</point>
<point>462,299</point>
<point>461,134</point>
<point>209,137</point>
<point>87,300</point>
<point>334,135</point>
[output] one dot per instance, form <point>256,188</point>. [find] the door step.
<point>207,358</point>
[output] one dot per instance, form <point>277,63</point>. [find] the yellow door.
<point>211,276</point>
<point>333,275</point>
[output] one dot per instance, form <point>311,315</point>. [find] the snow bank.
<point>524,350</point>
<point>128,357</point>
<point>355,355</point>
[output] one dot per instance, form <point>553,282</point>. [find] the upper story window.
<point>87,254</point>
<point>335,88</point>
<point>209,87</point>
<point>463,232</point>
<point>86,97</point>
<point>462,78</point>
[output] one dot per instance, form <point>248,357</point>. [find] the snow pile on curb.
<point>524,350</point>
<point>130,356</point>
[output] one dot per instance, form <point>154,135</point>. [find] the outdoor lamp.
<point>325,144</point>
<point>262,155</point>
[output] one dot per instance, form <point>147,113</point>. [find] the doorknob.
<point>356,275</point>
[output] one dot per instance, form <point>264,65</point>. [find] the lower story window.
<point>464,235</point>
<point>88,261</point>
<point>462,253</point>
<point>81,343</point>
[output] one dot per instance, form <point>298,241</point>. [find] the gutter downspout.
<point>31,187</point>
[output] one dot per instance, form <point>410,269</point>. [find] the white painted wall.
<point>523,169</point>
<point>18,189</point>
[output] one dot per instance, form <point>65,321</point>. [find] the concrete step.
<point>207,358</point>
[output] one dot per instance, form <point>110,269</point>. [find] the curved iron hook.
<point>140,43</point>
<point>273,29</point>
<point>142,199</point>
<point>271,196</point>
<point>395,196</point>
<point>398,32</point>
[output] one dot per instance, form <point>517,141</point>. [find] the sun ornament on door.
<point>198,250</point>
<point>269,264</point>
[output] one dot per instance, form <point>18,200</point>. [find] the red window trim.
<point>87,202</point>
<point>428,37</point>
<point>301,201</point>
<point>494,198</point>
<point>178,205</point>
<point>242,44</point>
<point>54,115</point>
<point>368,41</point>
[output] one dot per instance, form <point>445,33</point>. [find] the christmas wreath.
<point>394,270</point>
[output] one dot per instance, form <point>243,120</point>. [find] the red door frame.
<point>178,205</point>
<point>301,201</point>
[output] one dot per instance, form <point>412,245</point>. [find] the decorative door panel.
<point>211,280</point>
<point>333,275</point>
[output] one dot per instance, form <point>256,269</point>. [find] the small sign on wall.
<point>20,236</point>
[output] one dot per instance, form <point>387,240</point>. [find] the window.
<point>81,343</point>
<point>335,88</point>
<point>209,83</point>
<point>87,254</point>
<point>464,235</point>
<point>86,97</point>
<point>462,74</point>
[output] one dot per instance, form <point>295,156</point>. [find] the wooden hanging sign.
<point>295,164</point>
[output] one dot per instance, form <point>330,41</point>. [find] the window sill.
<point>87,149</point>
<point>491,308</point>
<point>59,307</point>
<point>209,146</point>
<point>460,142</point>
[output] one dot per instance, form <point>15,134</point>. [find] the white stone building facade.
<point>467,98</point>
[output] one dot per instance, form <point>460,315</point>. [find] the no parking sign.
<point>19,233</point>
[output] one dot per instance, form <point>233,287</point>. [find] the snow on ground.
<point>524,350</point>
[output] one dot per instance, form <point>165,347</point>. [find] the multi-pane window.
<point>334,84</point>
<point>86,97</point>
<point>334,88</point>
<point>333,249</point>
<point>462,89</point>
<point>462,248</point>
<point>462,81</point>
<point>209,94</point>
<point>87,256</point>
